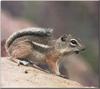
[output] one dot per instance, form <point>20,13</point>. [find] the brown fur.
<point>52,59</point>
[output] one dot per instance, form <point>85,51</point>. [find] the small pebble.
<point>26,71</point>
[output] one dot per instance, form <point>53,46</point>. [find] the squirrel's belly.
<point>37,57</point>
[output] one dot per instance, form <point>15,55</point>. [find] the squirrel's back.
<point>38,32</point>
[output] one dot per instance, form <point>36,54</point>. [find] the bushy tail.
<point>28,31</point>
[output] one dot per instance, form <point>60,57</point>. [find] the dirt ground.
<point>14,76</point>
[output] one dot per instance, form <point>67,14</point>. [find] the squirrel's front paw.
<point>57,73</point>
<point>63,76</point>
<point>60,75</point>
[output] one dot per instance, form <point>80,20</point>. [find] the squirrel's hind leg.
<point>24,62</point>
<point>14,60</point>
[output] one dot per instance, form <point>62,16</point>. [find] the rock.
<point>14,76</point>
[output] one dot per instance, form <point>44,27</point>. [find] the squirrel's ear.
<point>64,37</point>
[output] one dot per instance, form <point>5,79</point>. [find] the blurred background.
<point>77,18</point>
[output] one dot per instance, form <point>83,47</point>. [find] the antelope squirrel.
<point>38,46</point>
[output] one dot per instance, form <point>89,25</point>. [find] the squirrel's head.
<point>67,44</point>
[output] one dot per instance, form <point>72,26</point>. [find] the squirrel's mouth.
<point>77,52</point>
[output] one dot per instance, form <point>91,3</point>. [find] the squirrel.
<point>37,46</point>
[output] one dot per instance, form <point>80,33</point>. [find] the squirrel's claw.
<point>63,76</point>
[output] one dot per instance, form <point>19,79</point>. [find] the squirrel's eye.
<point>73,42</point>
